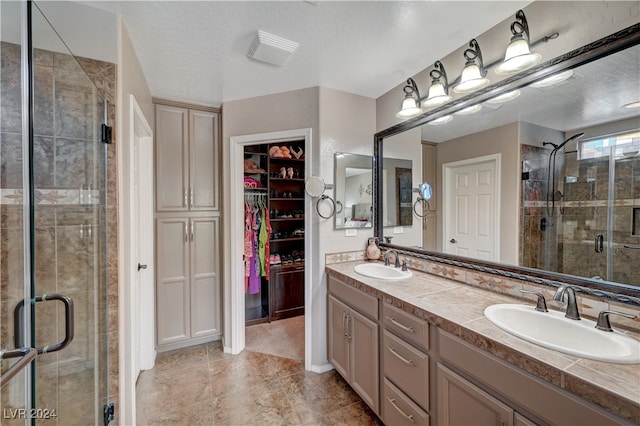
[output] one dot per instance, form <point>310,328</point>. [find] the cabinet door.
<point>462,403</point>
<point>204,170</point>
<point>364,365</point>
<point>520,420</point>
<point>172,158</point>
<point>204,276</point>
<point>172,282</point>
<point>286,293</point>
<point>338,344</point>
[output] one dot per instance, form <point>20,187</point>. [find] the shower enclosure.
<point>53,230</point>
<point>582,217</point>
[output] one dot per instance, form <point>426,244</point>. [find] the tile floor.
<point>203,385</point>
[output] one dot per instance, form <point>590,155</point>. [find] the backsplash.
<point>589,306</point>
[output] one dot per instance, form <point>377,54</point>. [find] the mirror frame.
<point>608,45</point>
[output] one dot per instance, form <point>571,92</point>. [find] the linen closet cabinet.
<point>188,296</point>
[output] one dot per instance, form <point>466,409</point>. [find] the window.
<point>623,145</point>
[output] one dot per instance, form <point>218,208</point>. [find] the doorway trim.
<point>236,316</point>
<point>446,189</point>
<point>138,131</point>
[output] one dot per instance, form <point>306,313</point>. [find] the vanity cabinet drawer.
<point>408,327</point>
<point>397,409</point>
<point>365,303</point>
<point>407,368</point>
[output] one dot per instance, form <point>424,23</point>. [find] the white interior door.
<point>471,211</point>
<point>142,248</point>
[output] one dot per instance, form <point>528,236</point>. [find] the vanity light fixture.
<point>441,120</point>
<point>518,56</point>
<point>473,75</point>
<point>553,80</point>
<point>411,102</point>
<point>506,97</point>
<point>469,110</point>
<point>439,90</point>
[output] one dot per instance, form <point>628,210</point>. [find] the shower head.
<point>572,138</point>
<point>550,143</point>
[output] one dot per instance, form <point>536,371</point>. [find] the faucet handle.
<point>603,319</point>
<point>541,305</point>
<point>404,265</point>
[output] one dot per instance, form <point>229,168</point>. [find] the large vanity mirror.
<point>354,191</point>
<point>545,185</point>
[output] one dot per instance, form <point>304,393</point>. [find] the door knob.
<point>453,241</point>
<point>140,266</point>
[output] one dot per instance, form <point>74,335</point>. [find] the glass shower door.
<point>58,245</point>
<point>624,220</point>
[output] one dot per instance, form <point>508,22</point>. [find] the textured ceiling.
<point>196,51</point>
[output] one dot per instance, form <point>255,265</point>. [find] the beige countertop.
<point>459,309</point>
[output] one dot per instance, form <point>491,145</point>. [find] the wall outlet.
<point>398,230</point>
<point>350,232</point>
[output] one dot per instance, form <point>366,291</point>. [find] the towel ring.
<point>333,204</point>
<point>339,203</point>
<point>419,200</point>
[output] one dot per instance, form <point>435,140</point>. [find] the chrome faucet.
<point>386,258</point>
<point>572,304</point>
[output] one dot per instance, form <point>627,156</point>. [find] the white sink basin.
<point>381,272</point>
<point>552,330</point>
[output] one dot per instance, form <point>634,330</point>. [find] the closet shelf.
<point>286,160</point>
<point>287,179</point>
<point>287,239</point>
<point>286,199</point>
<point>285,219</point>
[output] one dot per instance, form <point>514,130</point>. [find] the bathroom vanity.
<point>420,351</point>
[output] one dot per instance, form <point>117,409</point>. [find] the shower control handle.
<point>599,243</point>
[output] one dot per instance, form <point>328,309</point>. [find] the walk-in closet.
<point>274,231</point>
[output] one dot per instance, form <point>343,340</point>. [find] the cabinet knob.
<point>141,266</point>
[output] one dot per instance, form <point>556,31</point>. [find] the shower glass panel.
<point>591,227</point>
<point>67,224</point>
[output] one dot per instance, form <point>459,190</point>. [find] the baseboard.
<point>187,343</point>
<point>321,368</point>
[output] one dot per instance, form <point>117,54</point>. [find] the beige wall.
<point>272,113</point>
<point>130,81</point>
<point>340,122</point>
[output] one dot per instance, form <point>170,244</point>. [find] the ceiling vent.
<point>271,49</point>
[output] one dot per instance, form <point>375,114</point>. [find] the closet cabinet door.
<point>172,288</point>
<point>203,163</point>
<point>205,281</point>
<point>172,159</point>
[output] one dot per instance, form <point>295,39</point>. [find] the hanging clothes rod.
<point>255,194</point>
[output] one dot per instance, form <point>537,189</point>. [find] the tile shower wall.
<point>568,244</point>
<point>71,254</point>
